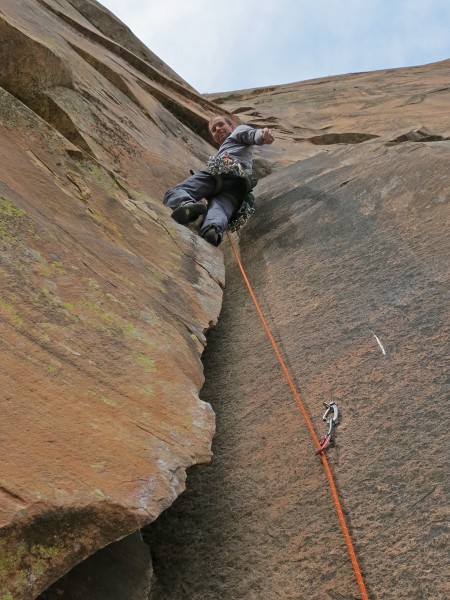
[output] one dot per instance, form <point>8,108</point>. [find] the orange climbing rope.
<point>329,474</point>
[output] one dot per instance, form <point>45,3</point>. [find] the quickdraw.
<point>332,421</point>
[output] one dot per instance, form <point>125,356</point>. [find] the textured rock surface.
<point>344,246</point>
<point>314,116</point>
<point>104,299</point>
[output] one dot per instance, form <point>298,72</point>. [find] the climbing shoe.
<point>212,235</point>
<point>188,212</point>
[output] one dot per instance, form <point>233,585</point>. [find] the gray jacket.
<point>239,144</point>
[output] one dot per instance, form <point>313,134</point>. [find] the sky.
<point>221,46</point>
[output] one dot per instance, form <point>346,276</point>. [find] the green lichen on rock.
<point>146,362</point>
<point>68,306</point>
<point>100,176</point>
<point>10,561</point>
<point>108,401</point>
<point>8,210</point>
<point>50,269</point>
<point>12,569</point>
<point>11,313</point>
<point>8,213</point>
<point>41,555</point>
<point>19,566</point>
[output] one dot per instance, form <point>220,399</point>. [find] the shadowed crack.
<point>341,138</point>
<point>421,134</point>
<point>11,494</point>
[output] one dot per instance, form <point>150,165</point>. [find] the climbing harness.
<point>317,443</point>
<point>224,165</point>
<point>331,417</point>
<point>245,180</point>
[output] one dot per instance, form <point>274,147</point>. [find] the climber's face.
<point>220,129</point>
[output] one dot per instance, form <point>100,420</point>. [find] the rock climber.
<point>224,183</point>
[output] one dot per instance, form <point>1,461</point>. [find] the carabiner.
<point>331,421</point>
<point>332,406</point>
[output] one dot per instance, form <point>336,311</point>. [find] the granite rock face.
<point>348,256</point>
<point>104,299</point>
<point>105,302</point>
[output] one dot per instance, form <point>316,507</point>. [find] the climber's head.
<point>220,128</point>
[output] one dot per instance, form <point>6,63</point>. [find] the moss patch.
<point>22,564</point>
<point>146,362</point>
<point>108,401</point>
<point>7,209</point>
<point>11,313</point>
<point>8,213</point>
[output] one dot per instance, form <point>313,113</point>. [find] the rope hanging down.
<point>317,443</point>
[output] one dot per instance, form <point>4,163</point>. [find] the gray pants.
<point>201,185</point>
